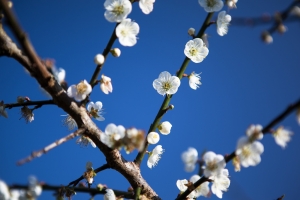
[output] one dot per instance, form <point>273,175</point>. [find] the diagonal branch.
<point>29,103</point>
<point>167,99</point>
<point>265,130</point>
<point>127,195</point>
<point>50,147</point>
<point>114,159</point>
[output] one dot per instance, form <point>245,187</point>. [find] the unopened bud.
<point>99,59</point>
<point>116,52</point>
<point>281,28</point>
<point>171,106</point>
<point>296,11</point>
<point>9,4</point>
<point>266,37</point>
<point>191,31</point>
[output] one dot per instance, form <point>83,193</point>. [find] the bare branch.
<point>29,103</point>
<point>50,147</point>
<point>91,191</point>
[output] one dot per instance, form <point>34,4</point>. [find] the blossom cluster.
<point>117,137</point>
<point>214,169</point>
<point>33,191</point>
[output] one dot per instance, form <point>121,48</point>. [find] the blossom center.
<point>118,10</point>
<point>94,112</point>
<point>166,86</point>
<point>246,152</point>
<point>193,51</point>
<point>211,3</point>
<point>81,88</point>
<point>211,166</point>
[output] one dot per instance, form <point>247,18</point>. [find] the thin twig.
<point>167,99</point>
<point>50,147</point>
<point>29,103</point>
<point>99,169</point>
<point>265,130</point>
<point>91,191</point>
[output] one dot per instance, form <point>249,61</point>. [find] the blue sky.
<point>244,81</point>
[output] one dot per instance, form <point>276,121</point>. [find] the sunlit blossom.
<point>112,135</point>
<point>254,132</point>
<point>165,128</point>
<point>201,190</point>
<point>282,136</point>
<point>153,138</point>
<point>190,158</point>
<point>109,195</point>
<point>196,50</point>
<point>80,91</point>
<point>117,10</point>
<point>214,163</point>
<point>194,80</point>
<point>95,110</point>
<point>249,153</point>
<point>105,84</point>
<point>126,31</point>
<point>223,23</point>
<point>211,5</point>
<point>166,84</point>
<point>146,6</point>
<point>220,183</point>
<point>155,156</point>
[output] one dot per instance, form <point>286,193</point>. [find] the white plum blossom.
<point>34,188</point>
<point>254,132</point>
<point>155,156</point>
<point>166,84</point>
<point>295,11</point>
<point>105,84</point>
<point>109,195</point>
<point>191,31</point>
<point>59,74</point>
<point>196,50</point>
<point>194,80</point>
<point>80,91</point>
<point>211,5</point>
<point>214,163</point>
<point>223,23</point>
<point>112,134</point>
<point>99,59</point>
<point>201,190</point>
<point>165,128</point>
<point>84,141</point>
<point>249,153</point>
<point>126,31</point>
<point>231,3</point>
<point>4,192</point>
<point>117,10</point>
<point>181,185</point>
<point>95,110</point>
<point>221,183</point>
<point>190,158</point>
<point>146,6</point>
<point>282,136</point>
<point>153,138</point>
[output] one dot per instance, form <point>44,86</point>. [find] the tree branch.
<point>167,99</point>
<point>99,169</point>
<point>265,130</point>
<point>50,147</point>
<point>29,103</point>
<point>91,191</point>
<point>113,157</point>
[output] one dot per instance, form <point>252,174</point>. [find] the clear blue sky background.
<point>244,82</point>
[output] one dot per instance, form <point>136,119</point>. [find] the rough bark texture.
<point>114,159</point>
